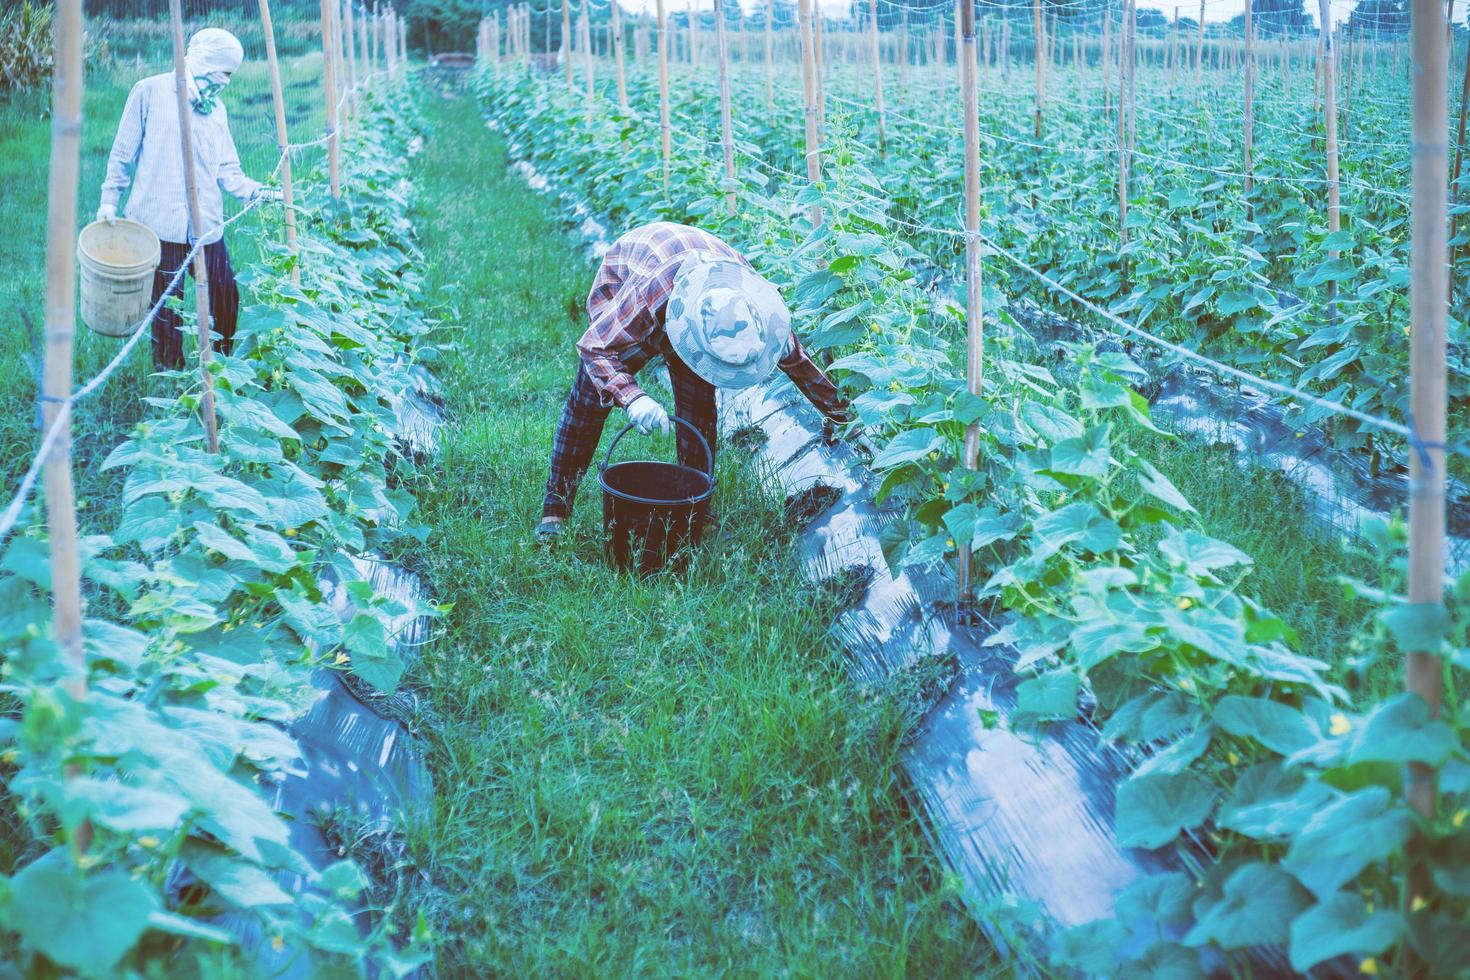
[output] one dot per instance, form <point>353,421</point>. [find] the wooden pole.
<point>1107,58</point>
<point>618,44</point>
<point>1250,94</point>
<point>329,83</point>
<point>591,98</point>
<point>196,224</point>
<point>1040,65</point>
<point>56,372</point>
<point>1329,115</point>
<point>351,62</point>
<point>975,326</point>
<point>878,79</point>
<point>903,50</point>
<point>1429,313</point>
<point>665,141</point>
<point>362,37</point>
<point>1174,53</point>
<point>1347,81</point>
<point>566,41</point>
<point>770,82</point>
<point>819,66</point>
<point>693,34</point>
<point>727,141</point>
<point>1199,51</point>
<point>283,140</point>
<point>1123,52</point>
<point>809,94</point>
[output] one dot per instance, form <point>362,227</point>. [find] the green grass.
<point>664,777</point>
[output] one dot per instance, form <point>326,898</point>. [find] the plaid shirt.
<point>626,310</point>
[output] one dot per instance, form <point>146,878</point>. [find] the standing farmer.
<point>146,154</point>
<point>672,290</point>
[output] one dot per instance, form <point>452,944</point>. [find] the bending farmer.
<point>146,154</point>
<point>671,290</point>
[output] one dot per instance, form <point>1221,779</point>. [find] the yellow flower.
<point>1458,820</point>
<point>277,943</point>
<point>949,543</point>
<point>148,840</point>
<point>1419,904</point>
<point>1233,759</point>
<point>875,328</point>
<point>341,658</point>
<point>1340,725</point>
<point>290,532</point>
<point>1184,603</point>
<point>1369,966</point>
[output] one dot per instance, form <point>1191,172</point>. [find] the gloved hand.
<point>273,194</point>
<point>107,213</point>
<point>647,415</point>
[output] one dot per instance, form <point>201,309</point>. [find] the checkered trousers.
<point>583,418</point>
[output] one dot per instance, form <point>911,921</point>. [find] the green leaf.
<point>1255,909</point>
<point>1099,394</point>
<point>1166,961</point>
<point>1152,810</point>
<point>1157,485</point>
<point>1087,455</point>
<point>1052,696</point>
<point>1271,802</point>
<point>1052,424</point>
<point>242,883</point>
<point>1096,640</point>
<point>128,809</point>
<point>87,923</point>
<point>1345,837</point>
<point>1400,731</point>
<point>372,660</point>
<point>218,540</point>
<point>931,549</point>
<point>1081,523</point>
<point>149,521</point>
<point>343,879</point>
<point>1164,898</point>
<point>1419,627</point>
<point>908,446</point>
<point>1279,727</point>
<point>1339,926</point>
<point>1199,553</point>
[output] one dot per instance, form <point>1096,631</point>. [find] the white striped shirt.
<point>146,154</point>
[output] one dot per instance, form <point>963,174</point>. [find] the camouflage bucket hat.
<point>727,323</point>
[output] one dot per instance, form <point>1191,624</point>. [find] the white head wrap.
<point>211,50</point>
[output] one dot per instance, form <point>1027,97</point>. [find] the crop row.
<point>141,815</point>
<point>1279,803</point>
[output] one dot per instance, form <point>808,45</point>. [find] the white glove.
<point>107,213</point>
<point>648,415</point>
<point>268,194</point>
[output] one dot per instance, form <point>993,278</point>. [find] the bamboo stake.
<point>975,326</point>
<point>1107,59</point>
<point>1040,65</point>
<point>770,83</point>
<point>329,83</point>
<point>591,97</point>
<point>727,142</point>
<point>196,224</point>
<point>665,142</point>
<point>1174,53</point>
<point>1005,41</point>
<point>1123,51</point>
<point>566,41</point>
<point>1429,300</point>
<point>67,81</point>
<point>878,80</point>
<point>618,42</point>
<point>367,65</point>
<point>1347,81</point>
<point>693,35</point>
<point>819,62</point>
<point>283,140</point>
<point>351,62</point>
<point>1329,114</point>
<point>903,50</point>
<point>1250,94</point>
<point>1199,52</point>
<point>809,94</point>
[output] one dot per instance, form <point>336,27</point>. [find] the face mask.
<point>208,88</point>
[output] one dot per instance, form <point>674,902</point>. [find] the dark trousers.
<point>224,302</point>
<point>584,416</point>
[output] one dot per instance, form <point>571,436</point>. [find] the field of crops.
<point>1080,650</point>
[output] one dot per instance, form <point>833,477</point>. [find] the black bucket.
<point>650,510</point>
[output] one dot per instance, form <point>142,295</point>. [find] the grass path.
<point>665,778</point>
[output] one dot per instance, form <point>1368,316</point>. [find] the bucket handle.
<point>709,454</point>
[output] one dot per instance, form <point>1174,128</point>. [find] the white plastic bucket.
<point>117,264</point>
